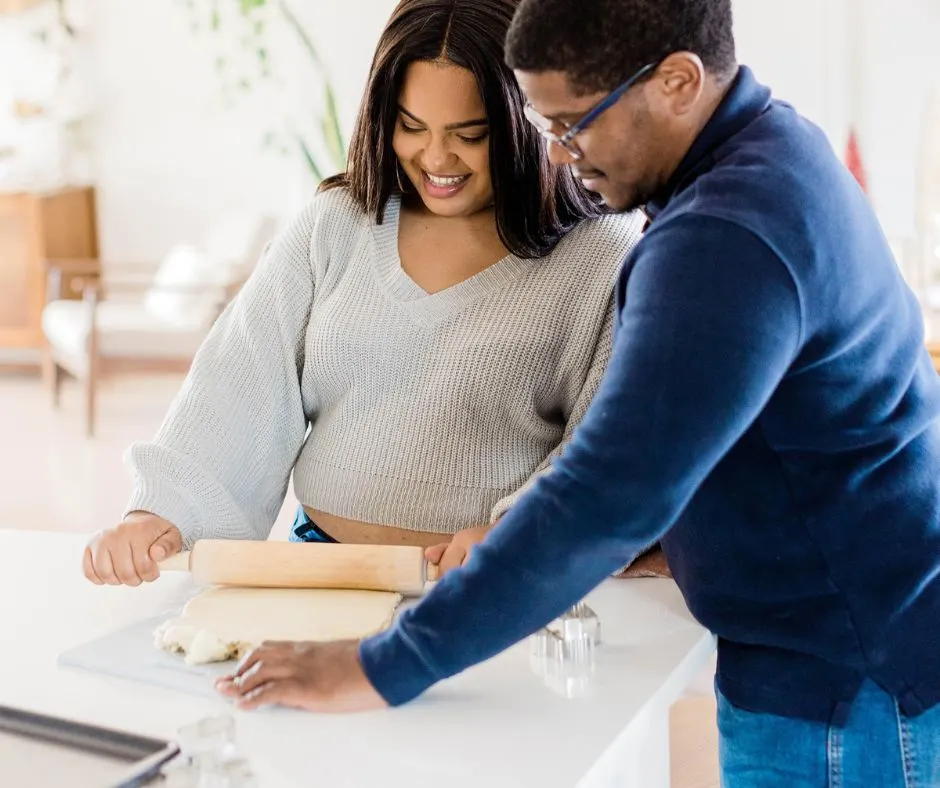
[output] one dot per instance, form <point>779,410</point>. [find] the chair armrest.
<point>141,285</point>
<point>86,268</point>
<point>80,265</point>
<point>73,265</point>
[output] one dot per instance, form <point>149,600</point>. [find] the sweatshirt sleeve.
<point>220,462</point>
<point>710,322</point>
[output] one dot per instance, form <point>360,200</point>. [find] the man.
<point>769,413</point>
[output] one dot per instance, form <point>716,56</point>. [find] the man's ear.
<point>681,81</point>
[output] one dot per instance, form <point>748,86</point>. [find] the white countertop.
<point>495,725</point>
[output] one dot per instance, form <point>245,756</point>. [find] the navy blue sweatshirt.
<point>769,413</point>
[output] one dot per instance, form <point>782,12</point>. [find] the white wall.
<point>799,49</point>
<point>870,63</point>
<point>169,155</point>
<point>902,64</point>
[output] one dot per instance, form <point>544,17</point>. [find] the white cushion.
<point>234,240</point>
<point>188,288</point>
<point>125,330</point>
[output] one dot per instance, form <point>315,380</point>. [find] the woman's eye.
<point>410,129</point>
<point>473,140</point>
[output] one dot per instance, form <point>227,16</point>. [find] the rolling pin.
<point>400,568</point>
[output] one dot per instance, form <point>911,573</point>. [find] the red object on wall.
<point>853,160</point>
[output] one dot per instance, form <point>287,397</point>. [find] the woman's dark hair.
<point>536,202</point>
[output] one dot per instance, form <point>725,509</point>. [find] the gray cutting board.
<point>129,653</point>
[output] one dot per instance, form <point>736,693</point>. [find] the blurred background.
<point>149,148</point>
<point>177,111</point>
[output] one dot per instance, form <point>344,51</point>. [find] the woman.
<point>415,346</point>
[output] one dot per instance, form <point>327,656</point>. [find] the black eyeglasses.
<point>566,140</point>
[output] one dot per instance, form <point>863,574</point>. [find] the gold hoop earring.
<point>401,186</point>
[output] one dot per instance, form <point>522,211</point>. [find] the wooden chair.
<point>141,318</point>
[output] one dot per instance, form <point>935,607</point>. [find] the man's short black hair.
<point>601,43</point>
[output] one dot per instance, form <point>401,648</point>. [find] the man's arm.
<point>709,326</point>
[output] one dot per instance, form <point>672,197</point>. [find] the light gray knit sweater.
<point>425,412</point>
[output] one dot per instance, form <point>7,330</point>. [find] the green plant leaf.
<point>309,159</point>
<point>335,133</point>
<point>247,6</point>
<point>301,33</point>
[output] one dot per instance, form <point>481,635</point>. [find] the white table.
<point>495,725</point>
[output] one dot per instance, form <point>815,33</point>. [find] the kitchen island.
<point>498,724</point>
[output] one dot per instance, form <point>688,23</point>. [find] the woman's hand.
<point>650,564</point>
<point>128,554</point>
<point>452,554</point>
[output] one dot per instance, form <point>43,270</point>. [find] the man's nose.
<point>559,155</point>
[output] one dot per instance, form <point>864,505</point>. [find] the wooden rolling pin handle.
<point>175,563</point>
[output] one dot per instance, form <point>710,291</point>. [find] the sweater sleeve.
<point>598,365</point>
<point>710,322</point>
<point>220,462</point>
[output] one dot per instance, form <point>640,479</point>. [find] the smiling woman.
<point>441,104</point>
<point>417,347</point>
<point>444,159</point>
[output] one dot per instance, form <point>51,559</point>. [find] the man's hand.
<point>325,677</point>
<point>450,555</point>
<point>128,554</point>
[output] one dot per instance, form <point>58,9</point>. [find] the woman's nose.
<point>437,155</point>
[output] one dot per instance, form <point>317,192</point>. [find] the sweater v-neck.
<point>434,306</point>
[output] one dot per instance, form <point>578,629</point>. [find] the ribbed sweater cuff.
<point>394,667</point>
<point>162,499</point>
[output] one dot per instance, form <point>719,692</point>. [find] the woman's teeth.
<point>446,181</point>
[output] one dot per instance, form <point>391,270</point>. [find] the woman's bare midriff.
<point>354,532</point>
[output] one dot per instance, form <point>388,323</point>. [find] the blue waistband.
<point>306,530</point>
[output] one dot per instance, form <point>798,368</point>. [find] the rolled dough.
<point>225,623</point>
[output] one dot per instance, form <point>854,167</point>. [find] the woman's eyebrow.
<point>451,126</point>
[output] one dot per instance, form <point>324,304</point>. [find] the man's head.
<point>672,61</point>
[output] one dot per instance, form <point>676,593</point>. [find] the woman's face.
<point>441,139</point>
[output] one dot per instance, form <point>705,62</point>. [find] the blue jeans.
<point>306,530</point>
<point>877,748</point>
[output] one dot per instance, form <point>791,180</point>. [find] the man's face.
<point>621,151</point>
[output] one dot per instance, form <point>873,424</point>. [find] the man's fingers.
<point>453,557</point>
<point>261,673</point>
<point>227,686</point>
<point>268,652</point>
<point>286,692</point>
<point>434,554</point>
<point>230,684</point>
<point>88,567</point>
<point>244,664</point>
